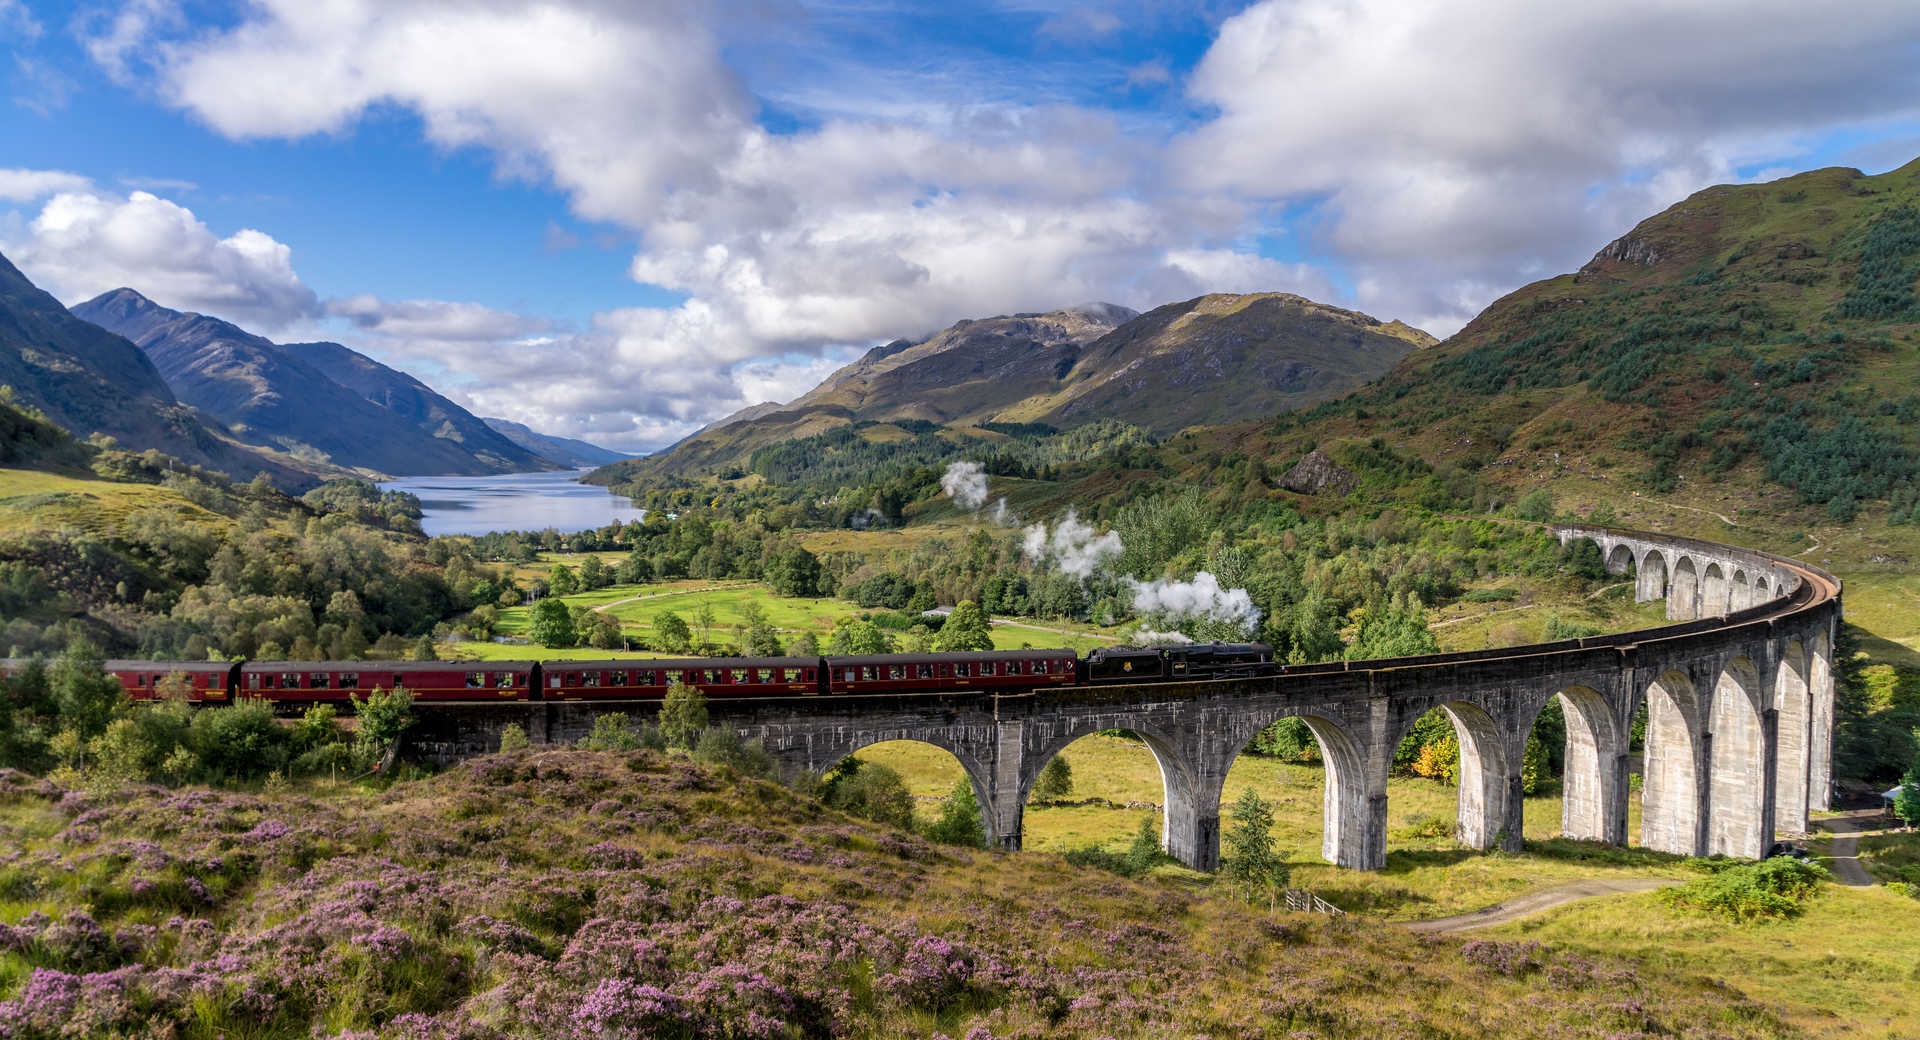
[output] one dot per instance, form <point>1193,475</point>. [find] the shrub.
<point>613,731</point>
<point>683,715</point>
<point>384,716</point>
<point>959,819</point>
<point>722,746</point>
<point>1249,859</point>
<point>871,790</point>
<point>1770,889</point>
<point>239,741</point>
<point>513,737</point>
<point>1056,781</point>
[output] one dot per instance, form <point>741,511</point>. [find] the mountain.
<point>89,380</point>
<point>563,451</point>
<point>420,405</point>
<point>1752,347</point>
<point>285,398</point>
<point>1212,359</point>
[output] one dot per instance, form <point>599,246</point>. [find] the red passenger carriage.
<point>206,680</point>
<point>987,669</point>
<point>648,679</point>
<point>320,681</point>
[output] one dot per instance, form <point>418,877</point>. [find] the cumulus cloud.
<point>438,320</point>
<point>85,243</point>
<point>1431,156</point>
<point>1455,150</point>
<point>17,185</point>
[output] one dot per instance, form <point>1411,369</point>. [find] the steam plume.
<point>1200,598</point>
<point>1074,547</point>
<point>966,484</point>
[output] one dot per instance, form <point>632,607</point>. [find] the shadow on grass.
<point>1570,850</point>
<point>1400,861</point>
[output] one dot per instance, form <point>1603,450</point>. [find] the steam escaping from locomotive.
<point>1074,547</point>
<point>1148,637</point>
<point>1199,599</point>
<point>966,484</point>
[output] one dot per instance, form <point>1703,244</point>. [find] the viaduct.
<point>1739,692</point>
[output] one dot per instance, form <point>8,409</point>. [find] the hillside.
<point>1209,360</point>
<point>555,892</point>
<point>318,401</point>
<point>88,380</point>
<point>562,451</point>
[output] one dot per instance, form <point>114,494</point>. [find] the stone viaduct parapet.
<point>1739,695</point>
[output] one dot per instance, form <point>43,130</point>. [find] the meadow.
<point>1116,784</point>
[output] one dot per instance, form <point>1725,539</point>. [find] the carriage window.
<point>617,679</point>
<point>593,678</point>
<point>868,671</point>
<point>851,675</point>
<point>349,680</point>
<point>262,681</point>
<point>767,674</point>
<point>475,680</point>
<point>946,671</point>
<point>712,676</point>
<point>317,680</point>
<point>289,680</point>
<point>896,671</point>
<point>503,680</point>
<point>553,680</point>
<point>141,679</point>
<point>925,671</point>
<point>792,674</point>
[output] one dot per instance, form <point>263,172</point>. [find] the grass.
<point>1428,874</point>
<point>32,501</point>
<point>1845,968</point>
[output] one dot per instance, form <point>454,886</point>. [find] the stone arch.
<point>1482,813</point>
<point>1683,597</point>
<point>1737,768</point>
<point>993,813</point>
<point>1670,795</point>
<point>1714,591</point>
<point>1182,800</point>
<point>1793,741</point>
<point>1591,806</point>
<point>1620,559</point>
<point>1740,597</point>
<point>1760,589</point>
<point>1350,834</point>
<point>1651,581</point>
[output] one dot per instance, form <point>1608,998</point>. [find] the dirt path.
<point>1845,860</point>
<point>1534,902</point>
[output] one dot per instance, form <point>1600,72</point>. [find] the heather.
<point>568,893</point>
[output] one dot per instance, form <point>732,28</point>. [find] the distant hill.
<point>1209,360</point>
<point>562,451</point>
<point>1750,337</point>
<point>88,380</point>
<point>316,401</point>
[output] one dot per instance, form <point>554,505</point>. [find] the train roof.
<point>952,656</point>
<point>682,663</point>
<point>131,665</point>
<point>403,667</point>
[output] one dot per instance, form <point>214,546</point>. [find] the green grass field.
<point>1428,874</point>
<point>1846,968</point>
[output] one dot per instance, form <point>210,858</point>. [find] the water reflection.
<point>514,502</point>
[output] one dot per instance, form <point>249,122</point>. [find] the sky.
<point>622,219</point>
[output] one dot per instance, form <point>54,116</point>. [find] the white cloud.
<point>1441,154</point>
<point>1456,150</point>
<point>437,320</point>
<point>82,244</point>
<point>18,185</point>
<point>16,20</point>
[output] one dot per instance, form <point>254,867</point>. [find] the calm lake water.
<point>514,502</point>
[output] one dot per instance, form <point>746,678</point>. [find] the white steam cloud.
<point>1201,598</point>
<point>1148,637</point>
<point>1074,547</point>
<point>966,484</point>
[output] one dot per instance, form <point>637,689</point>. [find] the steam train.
<point>296,683</point>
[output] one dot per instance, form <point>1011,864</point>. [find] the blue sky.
<point>621,220</point>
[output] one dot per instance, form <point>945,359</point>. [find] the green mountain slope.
<point>1754,346</point>
<point>1209,360</point>
<point>286,397</point>
<point>89,380</point>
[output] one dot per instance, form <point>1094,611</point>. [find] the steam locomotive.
<point>296,683</point>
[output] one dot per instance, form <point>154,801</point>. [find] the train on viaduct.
<point>1738,688</point>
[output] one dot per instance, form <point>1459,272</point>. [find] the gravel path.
<point>1847,828</point>
<point>1534,902</point>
